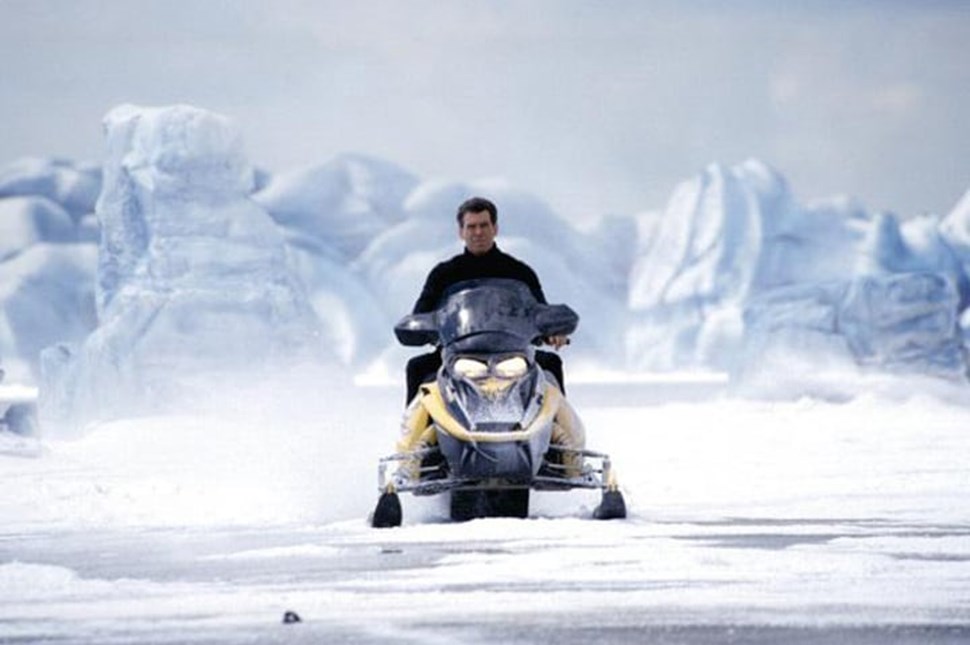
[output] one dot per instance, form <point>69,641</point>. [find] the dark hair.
<point>476,205</point>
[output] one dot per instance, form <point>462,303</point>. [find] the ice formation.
<point>741,277</point>
<point>734,274</point>
<point>192,276</point>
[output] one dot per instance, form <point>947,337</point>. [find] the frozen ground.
<point>765,522</point>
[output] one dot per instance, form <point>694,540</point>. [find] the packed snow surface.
<point>836,518</point>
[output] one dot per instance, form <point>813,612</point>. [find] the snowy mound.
<point>47,263</point>
<point>74,188</point>
<point>328,214</point>
<point>46,297</point>
<point>25,221</point>
<point>192,275</point>
<point>343,203</point>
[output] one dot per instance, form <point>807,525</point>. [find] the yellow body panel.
<point>433,408</point>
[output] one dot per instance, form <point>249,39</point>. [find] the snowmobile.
<point>491,425</point>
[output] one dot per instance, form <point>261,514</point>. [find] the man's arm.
<point>532,281</point>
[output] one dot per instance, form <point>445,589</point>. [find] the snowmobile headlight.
<point>512,368</point>
<point>470,368</point>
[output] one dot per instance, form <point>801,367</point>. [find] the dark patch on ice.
<point>686,634</point>
<point>889,527</point>
<point>932,557</point>
<point>605,586</point>
<point>837,528</point>
<point>790,521</point>
<point>772,541</point>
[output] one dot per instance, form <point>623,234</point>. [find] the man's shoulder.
<point>444,265</point>
<point>511,259</point>
<point>495,258</point>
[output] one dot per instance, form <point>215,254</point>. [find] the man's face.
<point>478,232</point>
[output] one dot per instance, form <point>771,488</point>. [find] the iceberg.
<point>706,248</point>
<point>905,322</point>
<point>193,280</point>
<point>687,286</point>
<point>740,277</point>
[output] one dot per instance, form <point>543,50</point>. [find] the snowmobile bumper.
<point>432,476</point>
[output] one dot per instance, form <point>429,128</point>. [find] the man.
<point>477,227</point>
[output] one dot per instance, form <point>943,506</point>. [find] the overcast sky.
<point>597,106</point>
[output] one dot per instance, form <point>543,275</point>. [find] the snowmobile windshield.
<point>500,313</point>
<point>491,314</point>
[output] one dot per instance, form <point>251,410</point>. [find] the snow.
<point>798,514</point>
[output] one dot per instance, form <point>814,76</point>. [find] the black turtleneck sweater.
<point>466,266</point>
